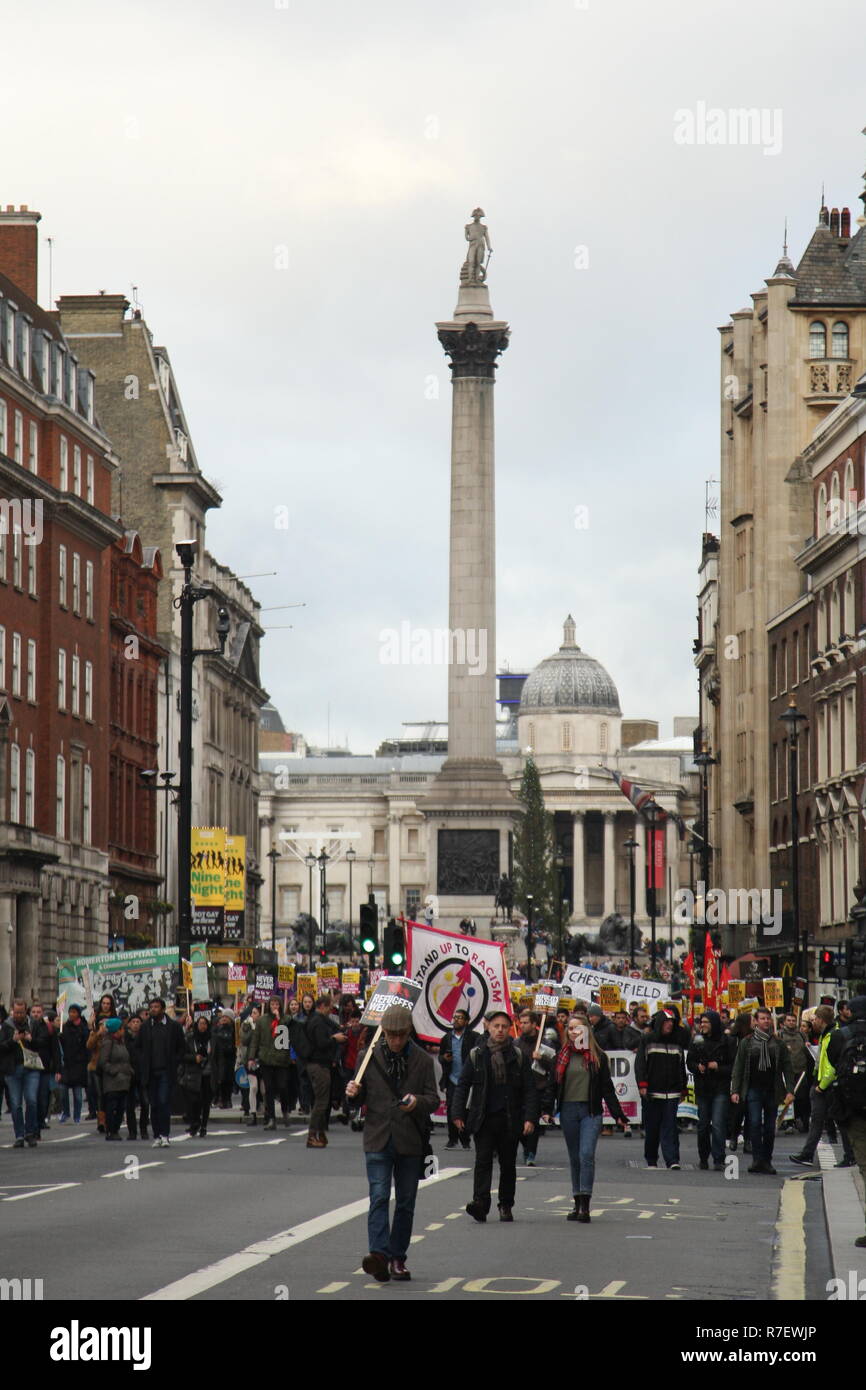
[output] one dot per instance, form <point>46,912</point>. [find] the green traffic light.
<point>368,945</point>
<point>396,958</point>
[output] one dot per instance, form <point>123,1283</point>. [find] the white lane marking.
<point>40,1191</point>
<point>65,1139</point>
<point>434,1226</point>
<point>202,1153</point>
<point>262,1144</point>
<point>413,1240</point>
<point>445,1285</point>
<point>453,1215</point>
<point>334,1288</point>
<point>124,1172</point>
<point>207,1278</point>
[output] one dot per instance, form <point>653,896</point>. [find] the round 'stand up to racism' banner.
<point>454,972</point>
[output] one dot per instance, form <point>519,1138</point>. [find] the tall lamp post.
<point>559,861</point>
<point>530,952</point>
<point>704,760</point>
<point>189,596</point>
<point>652,815</point>
<point>323,862</point>
<point>350,859</point>
<point>793,719</point>
<point>310,861</point>
<point>630,846</point>
<point>274,855</point>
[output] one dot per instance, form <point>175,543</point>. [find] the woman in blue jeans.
<point>581,1081</point>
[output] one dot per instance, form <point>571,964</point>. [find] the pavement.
<point>247,1215</point>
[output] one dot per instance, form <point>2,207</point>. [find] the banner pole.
<point>368,1056</point>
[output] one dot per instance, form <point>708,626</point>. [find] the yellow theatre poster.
<point>207,882</point>
<point>235,887</point>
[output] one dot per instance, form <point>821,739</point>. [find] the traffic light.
<point>323,953</point>
<point>828,962</point>
<point>856,958</point>
<point>370,932</point>
<point>394,947</point>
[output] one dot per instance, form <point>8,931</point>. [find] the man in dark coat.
<point>46,1042</point>
<point>763,1074</point>
<point>73,1071</point>
<point>456,1045</point>
<point>710,1060</point>
<point>323,1035</point>
<point>603,1030</point>
<point>162,1049</point>
<point>400,1093</point>
<point>660,1069</point>
<point>497,1102</point>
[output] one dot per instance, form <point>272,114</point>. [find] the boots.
<point>316,1140</point>
<point>100,1121</point>
<point>583,1207</point>
<point>574,1215</point>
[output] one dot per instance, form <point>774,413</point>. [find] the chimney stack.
<point>834,221</point>
<point>19,248</point>
<point>846,222</point>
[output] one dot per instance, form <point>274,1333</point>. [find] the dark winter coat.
<point>320,1035</point>
<point>446,1050</point>
<point>73,1045</point>
<point>384,1119</point>
<point>11,1055</point>
<point>113,1065</point>
<point>472,1090</point>
<point>660,1065</point>
<point>193,1072</point>
<point>606,1035</point>
<point>717,1047</point>
<point>783,1071</point>
<point>223,1061</point>
<point>628,1040</point>
<point>161,1047</point>
<point>46,1041</point>
<point>263,1046</point>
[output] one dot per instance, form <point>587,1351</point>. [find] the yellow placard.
<point>285,976</point>
<point>736,991</point>
<point>187,974</point>
<point>609,998</point>
<point>237,986</point>
<point>351,981</point>
<point>774,994</point>
<point>235,886</point>
<point>306,985</point>
<point>328,976</point>
<point>567,1001</point>
<point>207,881</point>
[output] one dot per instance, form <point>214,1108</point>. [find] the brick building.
<point>56,469</point>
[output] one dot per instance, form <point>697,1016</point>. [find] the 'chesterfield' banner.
<point>585,984</point>
<point>454,972</point>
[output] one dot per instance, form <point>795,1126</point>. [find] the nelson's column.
<point>470,809</point>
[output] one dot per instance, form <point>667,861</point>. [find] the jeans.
<point>581,1131</point>
<point>856,1125</point>
<point>137,1110</point>
<point>495,1138</point>
<point>712,1126</point>
<point>320,1080</point>
<point>77,1093</point>
<point>22,1094</point>
<point>406,1170</point>
<point>159,1092</point>
<point>660,1123</point>
<point>115,1104</point>
<point>761,1108</point>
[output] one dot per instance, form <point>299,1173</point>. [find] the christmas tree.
<point>534,848</point>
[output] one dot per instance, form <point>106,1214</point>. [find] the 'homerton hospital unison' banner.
<point>585,984</point>
<point>134,978</point>
<point>454,972</point>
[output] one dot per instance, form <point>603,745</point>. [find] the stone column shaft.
<point>609,863</point>
<point>578,872</point>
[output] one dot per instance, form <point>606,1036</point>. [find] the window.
<point>413,903</point>
<point>25,349</point>
<point>2,555</point>
<point>2,658</point>
<point>76,694</point>
<point>817,339</point>
<point>31,570</point>
<point>839,341</point>
<point>90,493</point>
<point>16,664</point>
<point>59,370</point>
<point>566,738</point>
<point>64,463</point>
<point>61,678</point>
<point>60,818</point>
<point>18,451</point>
<point>29,786</point>
<point>46,364</point>
<point>76,583</point>
<point>532,738</point>
<point>413,841</point>
<point>14,784</point>
<point>31,669</point>
<point>76,470</point>
<point>33,452</point>
<point>10,335</point>
<point>85,805</point>
<point>795,658</point>
<point>71,382</point>
<point>88,590</point>
<point>61,576</point>
<point>378,842</point>
<point>17,548</point>
<point>88,690</point>
<point>783,665</point>
<point>821,518</point>
<point>3,426</point>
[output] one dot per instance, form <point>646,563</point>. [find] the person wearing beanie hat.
<point>115,1073</point>
<point>497,1102</point>
<point>846,1075</point>
<point>397,1084</point>
<point>602,1028</point>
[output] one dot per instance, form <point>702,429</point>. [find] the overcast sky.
<point>287,185</point>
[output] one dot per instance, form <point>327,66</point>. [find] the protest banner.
<point>235,887</point>
<point>306,985</point>
<point>736,992</point>
<point>350,982</point>
<point>207,877</point>
<point>198,963</point>
<point>567,1001</point>
<point>328,977</point>
<point>454,972</point>
<point>265,985</point>
<point>285,976</point>
<point>585,983</point>
<point>609,998</point>
<point>389,990</point>
<point>546,997</point>
<point>774,994</point>
<point>132,977</point>
<point>62,1006</point>
<point>186,971</point>
<point>622,1074</point>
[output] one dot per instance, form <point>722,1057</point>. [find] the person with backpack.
<point>498,1103</point>
<point>268,1056</point>
<point>845,1071</point>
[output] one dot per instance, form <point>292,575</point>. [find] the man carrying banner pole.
<point>396,1081</point>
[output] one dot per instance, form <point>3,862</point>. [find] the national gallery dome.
<point>570,680</point>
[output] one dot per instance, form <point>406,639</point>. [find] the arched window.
<point>821,518</point>
<point>850,491</point>
<point>839,340</point>
<point>817,339</point>
<point>848,625</point>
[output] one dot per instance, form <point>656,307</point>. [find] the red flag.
<point>689,968</point>
<point>725,978</point>
<point>711,978</point>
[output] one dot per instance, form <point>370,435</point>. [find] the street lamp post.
<point>273,855</point>
<point>630,847</point>
<point>793,719</point>
<point>323,862</point>
<point>350,859</point>
<point>310,861</point>
<point>652,816</point>
<point>529,942</point>
<point>559,861</point>
<point>189,596</point>
<point>704,760</point>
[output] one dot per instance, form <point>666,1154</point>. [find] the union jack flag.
<point>641,799</point>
